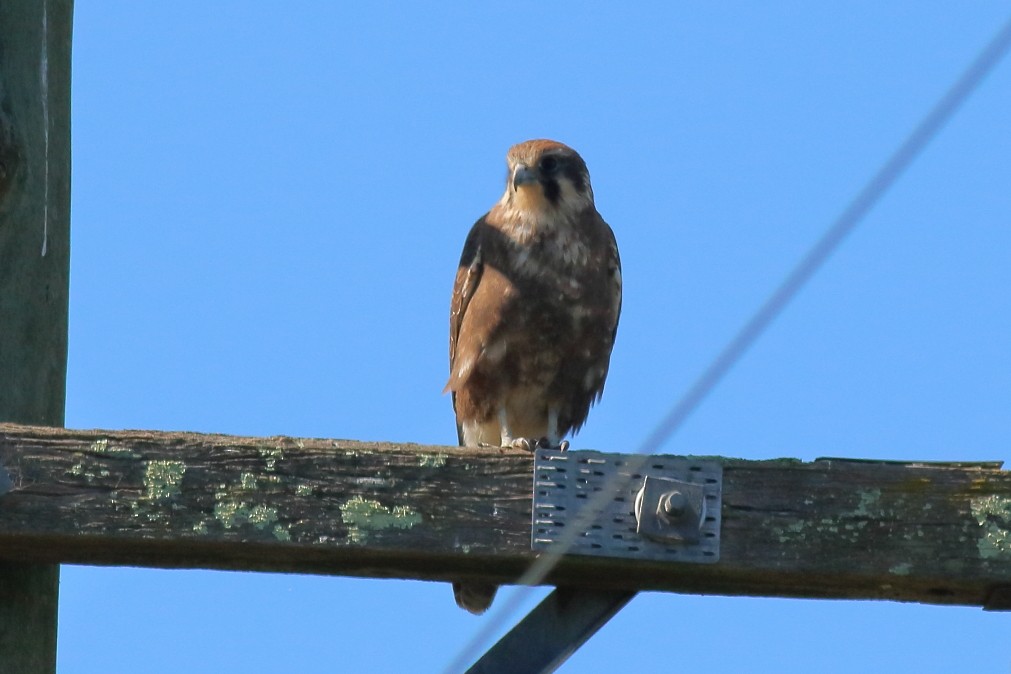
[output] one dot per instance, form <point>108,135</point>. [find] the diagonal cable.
<point>900,160</point>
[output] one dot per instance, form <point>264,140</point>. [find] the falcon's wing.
<point>468,276</point>
<point>614,275</point>
<point>613,300</point>
<point>583,378</point>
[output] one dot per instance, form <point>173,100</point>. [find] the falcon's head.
<point>546,180</point>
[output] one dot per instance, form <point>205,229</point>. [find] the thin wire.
<point>858,207</point>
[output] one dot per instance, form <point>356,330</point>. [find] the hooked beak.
<point>522,175</point>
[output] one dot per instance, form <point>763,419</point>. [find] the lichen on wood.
<point>828,528</point>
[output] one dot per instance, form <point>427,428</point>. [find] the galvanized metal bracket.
<point>662,508</point>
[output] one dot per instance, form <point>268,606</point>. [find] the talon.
<point>545,443</point>
<point>524,444</point>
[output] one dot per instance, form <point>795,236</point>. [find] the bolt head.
<point>673,504</point>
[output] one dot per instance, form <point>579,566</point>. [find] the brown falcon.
<point>534,312</point>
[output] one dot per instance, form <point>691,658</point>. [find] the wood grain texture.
<point>935,533</point>
<point>34,209</point>
<point>35,41</point>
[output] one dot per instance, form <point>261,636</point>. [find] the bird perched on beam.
<point>534,313</point>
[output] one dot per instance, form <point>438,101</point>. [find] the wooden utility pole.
<point>930,533</point>
<point>34,281</point>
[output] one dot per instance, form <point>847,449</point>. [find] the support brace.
<point>549,634</point>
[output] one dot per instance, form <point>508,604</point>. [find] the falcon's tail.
<point>474,597</point>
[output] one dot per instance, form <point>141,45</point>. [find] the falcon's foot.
<point>525,444</point>
<point>531,444</point>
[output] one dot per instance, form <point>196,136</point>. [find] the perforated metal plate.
<point>564,482</point>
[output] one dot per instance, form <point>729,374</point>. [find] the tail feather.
<point>471,596</point>
<point>474,597</point>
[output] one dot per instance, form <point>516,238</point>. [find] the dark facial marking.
<point>551,166</point>
<point>575,175</point>
<point>552,192</point>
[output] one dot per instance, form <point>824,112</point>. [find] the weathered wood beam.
<point>934,533</point>
<point>34,280</point>
<point>34,209</point>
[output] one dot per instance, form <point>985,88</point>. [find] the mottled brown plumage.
<point>534,311</point>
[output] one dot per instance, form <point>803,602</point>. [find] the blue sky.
<point>269,202</point>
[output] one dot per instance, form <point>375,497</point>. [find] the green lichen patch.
<point>848,526</point>
<point>993,515</point>
<point>261,516</point>
<point>90,476</point>
<point>163,480</point>
<point>162,483</point>
<point>791,532</point>
<point>366,516</point>
<point>901,569</point>
<point>230,512</point>
<point>252,481</point>
<point>270,456</point>
<point>103,447</point>
<point>432,460</point>
<point>869,505</point>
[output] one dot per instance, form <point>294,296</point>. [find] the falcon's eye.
<point>548,164</point>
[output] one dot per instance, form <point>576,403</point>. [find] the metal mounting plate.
<point>564,482</point>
